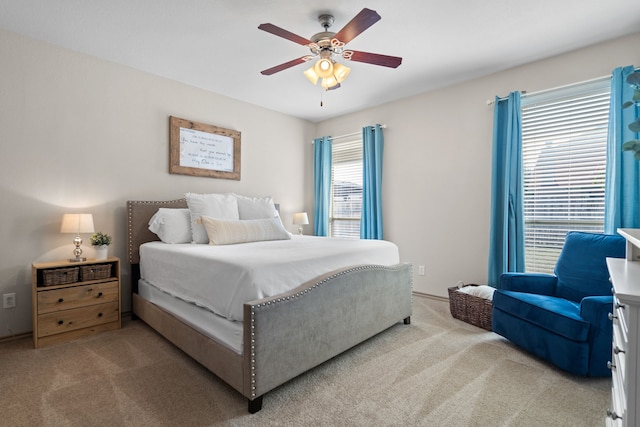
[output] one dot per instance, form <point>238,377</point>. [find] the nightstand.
<point>74,299</point>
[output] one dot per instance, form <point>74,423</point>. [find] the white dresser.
<point>625,357</point>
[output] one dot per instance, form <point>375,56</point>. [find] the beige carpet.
<point>436,372</point>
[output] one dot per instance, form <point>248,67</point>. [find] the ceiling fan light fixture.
<point>324,68</point>
<point>312,75</point>
<point>329,82</point>
<point>327,44</point>
<point>340,72</point>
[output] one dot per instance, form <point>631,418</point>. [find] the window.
<point>346,189</point>
<point>564,145</point>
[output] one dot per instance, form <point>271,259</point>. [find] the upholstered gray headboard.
<point>138,215</point>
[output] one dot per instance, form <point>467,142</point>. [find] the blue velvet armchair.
<point>563,317</point>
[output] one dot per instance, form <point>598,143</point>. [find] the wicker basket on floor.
<point>470,308</point>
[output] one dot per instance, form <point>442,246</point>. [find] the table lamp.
<point>77,224</point>
<point>300,219</point>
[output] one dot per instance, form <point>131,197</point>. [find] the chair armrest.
<point>596,309</point>
<point>533,283</point>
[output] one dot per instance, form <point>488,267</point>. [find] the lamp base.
<point>78,250</point>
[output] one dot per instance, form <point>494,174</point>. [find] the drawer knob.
<point>99,314</point>
<point>60,300</point>
<point>611,316</point>
<point>60,322</point>
<point>617,350</point>
<point>618,305</point>
<point>99,294</point>
<point>610,365</point>
<point>612,414</point>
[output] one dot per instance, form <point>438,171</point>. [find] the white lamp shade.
<point>77,223</point>
<point>300,218</point>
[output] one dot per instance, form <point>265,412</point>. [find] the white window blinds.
<point>564,138</point>
<point>346,189</point>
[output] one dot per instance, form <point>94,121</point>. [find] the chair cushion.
<point>558,315</point>
<point>582,268</point>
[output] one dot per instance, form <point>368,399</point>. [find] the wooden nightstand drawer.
<point>77,296</point>
<point>77,318</point>
<point>67,311</point>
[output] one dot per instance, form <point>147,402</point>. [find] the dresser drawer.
<point>613,423</point>
<point>619,354</point>
<point>77,318</point>
<point>619,311</point>
<point>77,296</point>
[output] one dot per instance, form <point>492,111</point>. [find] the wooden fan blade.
<point>373,58</point>
<point>286,65</point>
<point>358,24</point>
<point>280,32</point>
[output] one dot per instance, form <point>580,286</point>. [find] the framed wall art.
<point>200,149</point>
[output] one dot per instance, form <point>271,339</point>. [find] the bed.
<point>279,336</point>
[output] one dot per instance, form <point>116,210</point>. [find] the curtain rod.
<point>493,101</point>
<point>351,134</point>
<point>524,92</point>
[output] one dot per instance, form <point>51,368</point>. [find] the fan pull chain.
<point>321,103</point>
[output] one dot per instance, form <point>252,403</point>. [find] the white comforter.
<point>223,278</point>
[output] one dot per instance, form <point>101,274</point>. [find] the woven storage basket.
<point>470,308</point>
<point>60,276</point>
<point>95,272</point>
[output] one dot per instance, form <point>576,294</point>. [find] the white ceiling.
<point>216,44</point>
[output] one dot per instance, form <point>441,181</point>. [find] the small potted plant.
<point>100,242</point>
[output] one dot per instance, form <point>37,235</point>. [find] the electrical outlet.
<point>8,300</point>
<point>421,270</point>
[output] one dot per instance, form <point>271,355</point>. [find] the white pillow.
<point>222,206</point>
<point>256,207</point>
<point>225,232</point>
<point>482,291</point>
<point>172,225</point>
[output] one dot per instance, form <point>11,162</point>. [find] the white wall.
<point>437,161</point>
<point>79,134</point>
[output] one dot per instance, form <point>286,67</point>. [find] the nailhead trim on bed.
<point>131,246</point>
<point>298,295</point>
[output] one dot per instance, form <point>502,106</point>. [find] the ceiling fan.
<point>327,44</point>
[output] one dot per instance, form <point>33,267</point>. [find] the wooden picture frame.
<point>199,149</point>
